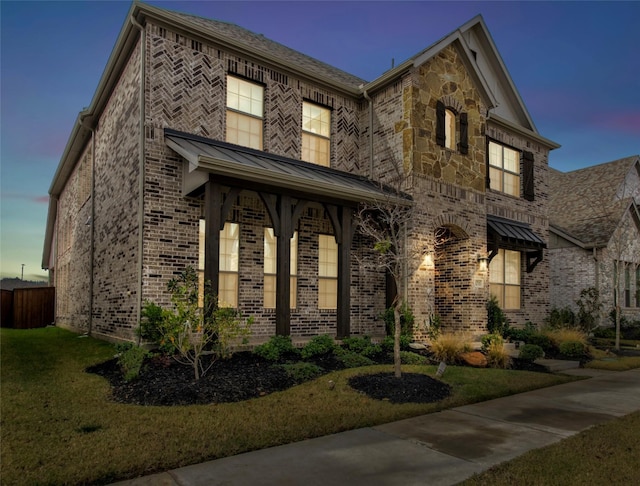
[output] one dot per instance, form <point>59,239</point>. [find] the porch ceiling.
<point>513,233</point>
<point>232,161</point>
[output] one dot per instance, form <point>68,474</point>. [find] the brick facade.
<point>184,89</point>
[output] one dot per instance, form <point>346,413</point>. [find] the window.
<point>638,286</point>
<point>627,285</point>
<point>447,124</point>
<point>229,258</point>
<point>270,269</point>
<point>504,169</point>
<point>449,129</point>
<point>504,278</point>
<point>327,272</point>
<point>244,113</point>
<point>316,133</point>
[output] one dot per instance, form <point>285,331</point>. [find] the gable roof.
<point>585,204</point>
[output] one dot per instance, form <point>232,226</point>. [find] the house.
<point>594,225</point>
<point>210,146</point>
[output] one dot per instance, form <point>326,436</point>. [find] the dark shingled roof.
<point>262,45</point>
<point>584,203</point>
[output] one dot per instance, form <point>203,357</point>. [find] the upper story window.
<point>504,169</point>
<point>452,129</point>
<point>316,133</point>
<point>327,272</point>
<point>506,174</point>
<point>245,110</point>
<point>270,269</point>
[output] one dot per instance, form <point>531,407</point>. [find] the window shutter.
<point>527,176</point>
<point>464,134</point>
<point>440,123</point>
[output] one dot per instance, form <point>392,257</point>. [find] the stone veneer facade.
<point>185,91</point>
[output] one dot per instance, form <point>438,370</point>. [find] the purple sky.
<point>576,65</point>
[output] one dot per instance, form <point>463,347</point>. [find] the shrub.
<point>490,339</point>
<point>497,322</point>
<point>449,346</point>
<point>351,359</point>
<point>411,358</point>
<point>515,334</point>
<point>561,318</point>
<point>435,324</point>
<point>572,349</point>
<point>604,332</point>
<point>130,359</point>
<point>544,342</point>
<point>301,371</point>
<point>497,357</point>
<point>190,331</point>
<point>276,348</point>
<point>589,307</point>
<point>318,346</point>
<point>531,352</point>
<point>559,336</point>
<point>361,345</point>
<point>407,320</point>
<point>387,344</point>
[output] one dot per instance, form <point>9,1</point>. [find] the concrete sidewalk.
<point>437,449</point>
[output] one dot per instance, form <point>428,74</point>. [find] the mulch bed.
<point>164,381</point>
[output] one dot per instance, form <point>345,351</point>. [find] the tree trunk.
<point>396,341</point>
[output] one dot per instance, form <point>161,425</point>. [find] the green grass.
<point>606,454</point>
<point>58,425</point>
<point>615,363</point>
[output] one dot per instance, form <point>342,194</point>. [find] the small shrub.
<point>497,322</point>
<point>531,352</point>
<point>276,348</point>
<point>406,321</point>
<point>301,371</point>
<point>589,307</point>
<point>559,336</point>
<point>434,327</point>
<point>490,339</point>
<point>449,346</point>
<point>410,358</point>
<point>572,349</point>
<point>318,346</point>
<point>561,318</point>
<point>130,359</point>
<point>361,345</point>
<point>544,342</point>
<point>351,359</point>
<point>387,344</point>
<point>497,357</point>
<point>604,332</point>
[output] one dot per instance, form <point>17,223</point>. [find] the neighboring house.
<point>594,223</point>
<point>211,146</point>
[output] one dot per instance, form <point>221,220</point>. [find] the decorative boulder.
<point>475,359</point>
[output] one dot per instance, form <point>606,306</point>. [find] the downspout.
<point>141,171</point>
<point>371,164</point>
<point>92,219</point>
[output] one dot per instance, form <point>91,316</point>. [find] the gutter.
<point>141,171</point>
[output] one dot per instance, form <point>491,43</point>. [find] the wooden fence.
<point>29,307</point>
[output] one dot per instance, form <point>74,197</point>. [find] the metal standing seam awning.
<point>207,156</point>
<point>514,235</point>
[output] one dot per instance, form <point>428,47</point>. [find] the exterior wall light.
<point>483,261</point>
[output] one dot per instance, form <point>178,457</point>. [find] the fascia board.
<point>52,214</point>
<point>498,120</point>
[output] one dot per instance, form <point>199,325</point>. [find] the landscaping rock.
<point>475,359</point>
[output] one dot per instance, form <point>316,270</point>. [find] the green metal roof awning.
<point>206,156</point>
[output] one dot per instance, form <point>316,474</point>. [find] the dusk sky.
<point>575,64</point>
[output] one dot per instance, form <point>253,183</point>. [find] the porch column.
<point>344,273</point>
<point>283,232</point>
<point>213,223</point>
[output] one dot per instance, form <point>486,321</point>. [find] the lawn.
<point>605,454</point>
<point>58,425</point>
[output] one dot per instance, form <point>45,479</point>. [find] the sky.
<point>575,64</point>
